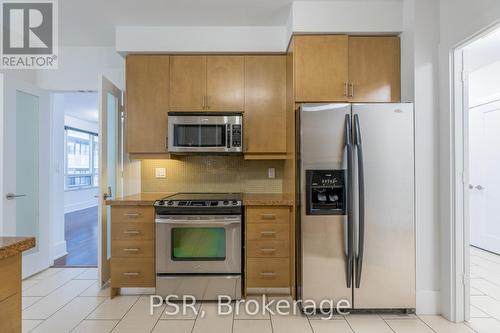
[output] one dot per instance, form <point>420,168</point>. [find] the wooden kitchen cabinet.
<point>339,68</point>
<point>207,83</point>
<point>374,69</point>
<point>188,83</point>
<point>321,67</point>
<point>132,247</point>
<point>265,106</point>
<point>268,251</point>
<point>147,93</point>
<point>225,83</point>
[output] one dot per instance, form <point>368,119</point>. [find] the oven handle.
<point>211,222</point>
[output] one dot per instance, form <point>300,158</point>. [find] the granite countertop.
<point>249,199</point>
<point>10,246</point>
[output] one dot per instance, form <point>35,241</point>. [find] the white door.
<point>484,190</point>
<point>110,166</point>
<point>25,144</point>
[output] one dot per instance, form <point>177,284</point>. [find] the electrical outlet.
<point>160,173</point>
<point>271,173</point>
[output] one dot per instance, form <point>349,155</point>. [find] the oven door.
<point>198,244</point>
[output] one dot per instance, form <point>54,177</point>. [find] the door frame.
<point>459,268</point>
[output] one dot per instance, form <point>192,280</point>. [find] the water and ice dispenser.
<point>326,192</point>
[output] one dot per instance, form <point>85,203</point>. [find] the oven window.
<point>200,135</point>
<point>199,244</point>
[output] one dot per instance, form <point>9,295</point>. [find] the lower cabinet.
<point>10,294</point>
<point>132,247</point>
<point>267,248</point>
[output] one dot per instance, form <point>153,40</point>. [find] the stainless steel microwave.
<point>202,132</point>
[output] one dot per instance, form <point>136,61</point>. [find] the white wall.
<point>80,67</point>
<point>459,21</point>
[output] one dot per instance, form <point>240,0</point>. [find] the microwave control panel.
<point>235,135</point>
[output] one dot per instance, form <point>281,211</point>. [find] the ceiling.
<point>82,105</point>
<point>93,22</point>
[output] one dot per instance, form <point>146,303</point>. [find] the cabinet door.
<point>265,104</point>
<point>147,95</point>
<point>225,83</point>
<point>374,69</point>
<point>321,68</point>
<point>187,83</point>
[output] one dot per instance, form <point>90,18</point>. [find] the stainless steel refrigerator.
<point>356,204</point>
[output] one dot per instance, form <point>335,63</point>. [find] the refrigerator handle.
<point>361,201</point>
<point>349,204</point>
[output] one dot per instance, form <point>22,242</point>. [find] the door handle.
<point>361,202</point>
<point>479,187</point>
<point>471,186</point>
<point>12,196</point>
<point>108,195</point>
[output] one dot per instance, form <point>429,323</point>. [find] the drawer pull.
<point>268,216</point>
<point>268,274</point>
<point>131,274</point>
<point>268,250</point>
<point>131,250</point>
<point>267,233</point>
<point>131,232</point>
<point>132,214</point>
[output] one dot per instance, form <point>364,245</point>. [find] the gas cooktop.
<point>180,200</point>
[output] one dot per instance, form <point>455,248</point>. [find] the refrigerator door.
<point>385,237</point>
<point>323,244</point>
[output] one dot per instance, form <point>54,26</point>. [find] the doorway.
<point>478,106</point>
<point>78,154</point>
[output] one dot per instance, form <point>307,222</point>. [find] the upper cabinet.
<point>207,83</point>
<point>146,103</point>
<point>265,106</point>
<point>321,68</point>
<point>188,83</point>
<point>374,69</point>
<point>225,83</point>
<point>330,68</point>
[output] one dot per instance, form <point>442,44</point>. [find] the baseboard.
<point>428,302</point>
<point>59,250</point>
<point>80,205</point>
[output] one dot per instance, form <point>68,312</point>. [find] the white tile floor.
<point>68,300</point>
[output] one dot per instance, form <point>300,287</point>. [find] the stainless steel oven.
<point>205,132</point>
<point>198,245</point>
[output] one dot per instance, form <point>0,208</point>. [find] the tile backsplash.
<point>212,174</point>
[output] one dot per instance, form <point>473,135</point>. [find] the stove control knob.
<point>235,202</point>
<point>160,202</point>
<point>170,203</point>
<point>225,202</point>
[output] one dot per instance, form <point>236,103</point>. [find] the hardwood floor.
<point>80,232</point>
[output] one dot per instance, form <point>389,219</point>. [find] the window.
<point>82,159</point>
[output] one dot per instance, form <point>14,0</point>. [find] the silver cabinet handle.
<point>12,196</point>
<point>351,85</point>
<point>268,250</point>
<point>131,274</point>
<point>346,89</point>
<point>268,274</point>
<point>268,217</point>
<point>131,250</point>
<point>132,214</point>
<point>268,233</point>
<point>208,102</point>
<point>479,187</point>
<point>131,232</point>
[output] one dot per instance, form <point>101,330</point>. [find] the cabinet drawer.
<point>268,215</point>
<point>132,231</point>
<point>132,214</point>
<point>268,272</point>
<point>268,231</point>
<point>132,272</point>
<point>10,314</point>
<point>267,249</point>
<point>132,249</point>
